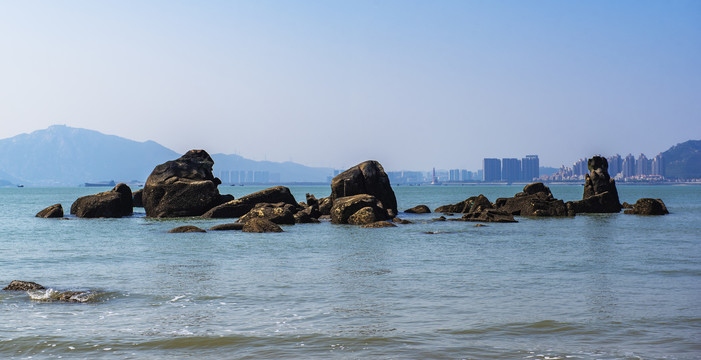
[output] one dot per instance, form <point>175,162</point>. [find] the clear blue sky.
<point>413,84</point>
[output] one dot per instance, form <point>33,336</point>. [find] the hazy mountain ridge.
<point>683,161</point>
<point>66,156</point>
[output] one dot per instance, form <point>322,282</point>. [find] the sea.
<point>597,286</point>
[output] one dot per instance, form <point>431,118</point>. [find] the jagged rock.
<point>53,211</point>
<point>535,200</point>
<point>308,215</point>
<point>365,178</point>
<point>312,200</point>
<point>241,206</point>
<point>182,187</point>
<point>344,207</point>
<point>489,215</point>
<point>401,221</point>
<point>379,224</point>
<point>109,204</point>
<point>418,209</point>
<point>647,206</point>
<point>363,216</point>
<point>137,198</point>
<point>600,194</point>
<point>279,213</point>
<point>227,227</point>
<point>325,205</point>
<point>19,285</point>
<point>466,205</point>
<point>260,225</point>
<point>186,229</point>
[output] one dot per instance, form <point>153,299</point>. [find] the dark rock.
<point>401,221</point>
<point>366,178</point>
<point>379,224</point>
<point>489,215</point>
<point>626,205</point>
<point>109,204</point>
<point>600,193</point>
<point>325,205</point>
<point>241,206</point>
<point>344,207</point>
<point>479,225</point>
<point>261,225</point>
<point>535,200</point>
<point>182,187</point>
<point>466,205</point>
<point>647,206</point>
<point>325,217</point>
<point>137,198</point>
<point>186,229</point>
<point>311,200</point>
<point>441,218</point>
<point>363,216</point>
<point>19,285</point>
<point>227,227</point>
<point>418,209</point>
<point>53,211</point>
<point>226,198</point>
<point>279,213</point>
<point>303,217</point>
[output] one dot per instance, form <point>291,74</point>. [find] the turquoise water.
<point>609,286</point>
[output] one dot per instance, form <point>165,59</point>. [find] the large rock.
<point>53,211</point>
<point>535,200</point>
<point>109,204</point>
<point>363,216</point>
<point>279,213</point>
<point>466,205</point>
<point>365,178</point>
<point>600,193</point>
<point>182,187</point>
<point>137,198</point>
<point>647,206</point>
<point>325,205</point>
<point>418,209</point>
<point>260,225</point>
<point>241,206</point>
<point>19,285</point>
<point>344,207</point>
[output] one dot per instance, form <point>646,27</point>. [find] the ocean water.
<point>609,286</point>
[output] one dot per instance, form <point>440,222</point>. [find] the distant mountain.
<point>66,156</point>
<point>683,161</point>
<point>284,172</point>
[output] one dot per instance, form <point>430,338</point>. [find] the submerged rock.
<point>186,229</point>
<point>260,225</point>
<point>419,209</point>
<point>366,178</point>
<point>401,221</point>
<point>648,206</point>
<point>227,227</point>
<point>51,295</point>
<point>115,203</point>
<point>53,211</point>
<point>19,285</point>
<point>489,215</point>
<point>379,224</point>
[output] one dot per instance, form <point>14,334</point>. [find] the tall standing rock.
<point>600,194</point>
<point>366,178</point>
<point>182,187</point>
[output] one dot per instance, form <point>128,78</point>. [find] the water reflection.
<point>600,293</point>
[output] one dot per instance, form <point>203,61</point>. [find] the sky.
<point>412,84</point>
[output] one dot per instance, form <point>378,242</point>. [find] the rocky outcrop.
<point>468,205</point>
<point>227,227</point>
<point>109,204</point>
<point>379,224</point>
<point>137,198</point>
<point>345,207</point>
<point>325,205</point>
<point>365,178</point>
<point>418,209</point>
<point>363,216</point>
<point>279,213</point>
<point>600,193</point>
<point>19,285</point>
<point>401,221</point>
<point>489,215</point>
<point>186,229</point>
<point>53,211</point>
<point>535,200</point>
<point>260,225</point>
<point>648,206</point>
<point>182,187</point>
<point>241,206</point>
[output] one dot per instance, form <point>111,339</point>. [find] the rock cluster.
<point>647,206</point>
<point>535,200</point>
<point>478,209</point>
<point>366,178</point>
<point>115,203</point>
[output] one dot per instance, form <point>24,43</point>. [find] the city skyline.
<point>410,84</point>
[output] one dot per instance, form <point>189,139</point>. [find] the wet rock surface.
<point>227,227</point>
<point>19,285</point>
<point>186,229</point>
<point>53,211</point>
<point>115,203</point>
<point>260,225</point>
<point>419,209</point>
<point>648,206</point>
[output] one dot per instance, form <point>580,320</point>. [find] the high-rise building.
<point>615,165</point>
<point>454,175</point>
<point>580,167</point>
<point>642,166</point>
<point>530,168</point>
<point>466,175</point>
<point>510,169</point>
<point>492,169</point>
<point>628,166</point>
<point>658,165</point>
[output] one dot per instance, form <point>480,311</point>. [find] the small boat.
<point>20,186</point>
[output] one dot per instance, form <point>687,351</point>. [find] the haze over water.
<point>607,286</point>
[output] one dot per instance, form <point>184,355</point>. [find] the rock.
<point>479,225</point>
<point>489,215</point>
<point>379,224</point>
<point>53,211</point>
<point>311,200</point>
<point>279,213</point>
<point>366,178</point>
<point>186,229</point>
<point>227,227</point>
<point>182,187</point>
<point>137,198</point>
<point>418,209</point>
<point>647,206</point>
<point>466,205</point>
<point>626,205</point>
<point>241,206</point>
<point>401,221</point>
<point>600,193</point>
<point>441,218</point>
<point>260,225</point>
<point>109,204</point>
<point>19,285</point>
<point>303,217</point>
<point>363,216</point>
<point>344,207</point>
<point>325,205</point>
<point>535,200</point>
